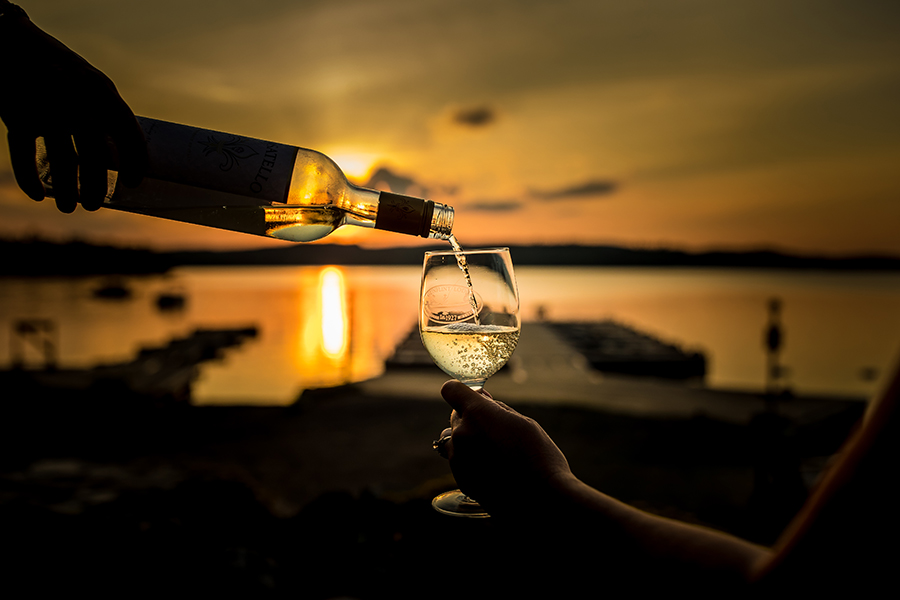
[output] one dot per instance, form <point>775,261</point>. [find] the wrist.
<point>568,497</point>
<point>564,484</point>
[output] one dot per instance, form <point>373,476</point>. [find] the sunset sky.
<point>693,124</point>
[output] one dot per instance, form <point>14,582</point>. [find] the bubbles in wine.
<point>470,352</point>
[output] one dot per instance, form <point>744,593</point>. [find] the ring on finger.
<point>440,445</point>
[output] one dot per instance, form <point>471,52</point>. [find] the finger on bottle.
<point>93,157</point>
<point>63,171</point>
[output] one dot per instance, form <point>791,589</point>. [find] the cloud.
<point>475,116</point>
<point>495,206</point>
<point>589,189</point>
<point>385,179</point>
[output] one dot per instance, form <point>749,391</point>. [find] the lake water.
<point>842,331</point>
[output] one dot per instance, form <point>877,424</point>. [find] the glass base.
<point>457,504</point>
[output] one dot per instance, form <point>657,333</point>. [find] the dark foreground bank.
<point>331,497</point>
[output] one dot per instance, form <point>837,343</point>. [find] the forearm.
<point>644,548</point>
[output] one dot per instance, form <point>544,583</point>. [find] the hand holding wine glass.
<point>501,456</point>
<point>469,323</point>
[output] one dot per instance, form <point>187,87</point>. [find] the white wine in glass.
<point>469,323</point>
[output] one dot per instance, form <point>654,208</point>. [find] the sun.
<point>357,166</point>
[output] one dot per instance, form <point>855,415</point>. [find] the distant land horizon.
<point>37,257</point>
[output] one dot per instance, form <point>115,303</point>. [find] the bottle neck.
<point>441,222</point>
<point>413,216</point>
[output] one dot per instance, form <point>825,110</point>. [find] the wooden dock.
<point>161,375</point>
<point>607,346</point>
<point>611,347</point>
<point>547,370</point>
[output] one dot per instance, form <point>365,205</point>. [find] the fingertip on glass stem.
<point>475,386</point>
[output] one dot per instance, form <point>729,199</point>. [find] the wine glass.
<point>469,323</point>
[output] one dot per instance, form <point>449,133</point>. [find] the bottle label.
<point>219,161</point>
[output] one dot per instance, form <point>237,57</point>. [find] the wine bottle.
<point>259,187</point>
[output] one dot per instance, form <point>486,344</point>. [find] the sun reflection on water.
<point>334,312</point>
